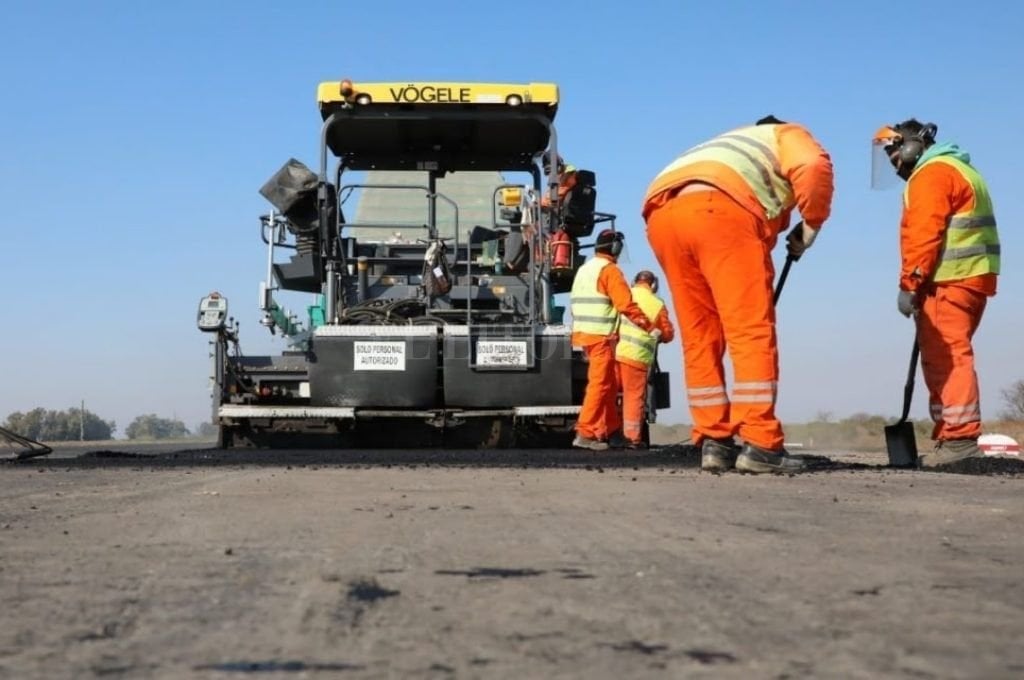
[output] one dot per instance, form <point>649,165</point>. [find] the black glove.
<point>800,239</point>
<point>906,303</point>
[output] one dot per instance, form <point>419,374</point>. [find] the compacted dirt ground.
<point>517,564</point>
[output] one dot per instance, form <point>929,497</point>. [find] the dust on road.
<point>513,564</point>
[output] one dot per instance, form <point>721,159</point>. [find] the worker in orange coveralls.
<point>950,262</point>
<point>599,294</point>
<point>713,216</point>
<point>634,355</point>
<point>566,179</point>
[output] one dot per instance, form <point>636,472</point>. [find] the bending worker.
<point>599,294</point>
<point>949,248</point>
<point>713,215</point>
<point>634,355</point>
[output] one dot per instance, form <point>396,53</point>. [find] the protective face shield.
<point>900,150</point>
<point>885,158</point>
<point>618,245</point>
<point>610,242</point>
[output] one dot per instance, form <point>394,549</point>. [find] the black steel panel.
<point>299,273</point>
<point>334,380</point>
<point>547,383</point>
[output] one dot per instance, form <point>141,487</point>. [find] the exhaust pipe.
<point>363,280</point>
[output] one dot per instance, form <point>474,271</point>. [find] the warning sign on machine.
<point>501,353</point>
<point>378,356</point>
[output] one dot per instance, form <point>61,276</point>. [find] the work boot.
<point>582,442</point>
<point>618,441</point>
<point>950,451</point>
<point>636,446</point>
<point>757,460</point>
<point>718,455</point>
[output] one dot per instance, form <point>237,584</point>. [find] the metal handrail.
<point>347,112</point>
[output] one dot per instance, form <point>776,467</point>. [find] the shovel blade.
<point>901,444</point>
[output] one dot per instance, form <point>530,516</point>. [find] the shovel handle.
<point>648,387</point>
<point>908,389</point>
<point>782,278</point>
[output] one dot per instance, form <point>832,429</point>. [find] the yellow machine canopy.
<point>437,125</point>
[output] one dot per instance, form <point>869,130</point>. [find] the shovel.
<point>899,437</point>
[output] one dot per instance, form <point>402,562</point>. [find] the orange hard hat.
<point>886,135</point>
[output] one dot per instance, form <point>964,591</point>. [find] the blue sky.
<point>135,137</point>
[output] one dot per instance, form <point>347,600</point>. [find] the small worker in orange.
<point>950,254</point>
<point>634,355</point>
<point>599,294</point>
<point>517,260</point>
<point>713,216</point>
<point>566,179</point>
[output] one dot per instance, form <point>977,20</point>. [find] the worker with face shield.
<point>950,261</point>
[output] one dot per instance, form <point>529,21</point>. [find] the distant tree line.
<point>150,426</point>
<point>60,426</point>
<point>76,424</point>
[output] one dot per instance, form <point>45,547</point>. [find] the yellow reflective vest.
<point>635,343</point>
<point>592,310</point>
<point>971,244</point>
<point>752,153</point>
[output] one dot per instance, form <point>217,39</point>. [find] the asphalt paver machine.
<point>435,326</point>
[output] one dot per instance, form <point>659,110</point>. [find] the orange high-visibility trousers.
<point>633,382</point>
<point>948,319</point>
<point>717,259</point>
<point>599,415</point>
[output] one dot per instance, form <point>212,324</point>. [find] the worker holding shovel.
<point>713,216</point>
<point>949,248</point>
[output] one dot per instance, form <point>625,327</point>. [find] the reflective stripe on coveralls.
<point>592,311</point>
<point>634,343</point>
<point>755,392</point>
<point>752,153</point>
<point>971,243</point>
<point>956,415</point>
